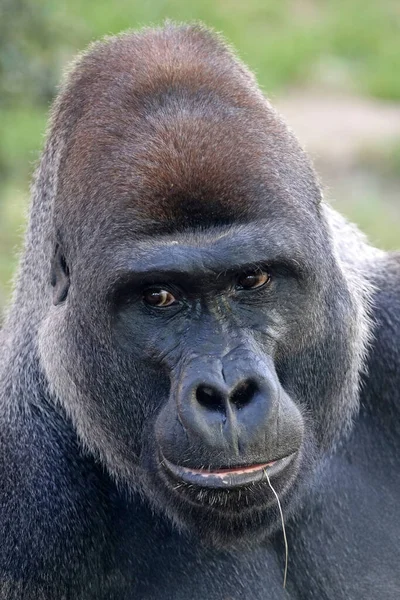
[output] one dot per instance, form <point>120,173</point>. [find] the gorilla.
<point>196,343</point>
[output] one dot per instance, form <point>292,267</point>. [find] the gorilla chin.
<point>226,506</point>
<point>244,510</point>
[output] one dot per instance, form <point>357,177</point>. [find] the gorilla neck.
<point>381,382</point>
<point>374,277</point>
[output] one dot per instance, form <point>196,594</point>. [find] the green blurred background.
<point>331,66</point>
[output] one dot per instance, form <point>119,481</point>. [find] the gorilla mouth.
<point>227,478</point>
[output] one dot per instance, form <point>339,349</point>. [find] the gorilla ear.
<point>59,276</point>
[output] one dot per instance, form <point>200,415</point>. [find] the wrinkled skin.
<point>189,317</point>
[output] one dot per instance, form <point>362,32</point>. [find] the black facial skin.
<point>216,344</point>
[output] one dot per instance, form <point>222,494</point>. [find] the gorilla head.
<point>202,325</point>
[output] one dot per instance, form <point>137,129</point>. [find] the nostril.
<point>210,398</point>
<point>244,393</point>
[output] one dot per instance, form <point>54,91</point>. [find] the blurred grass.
<point>351,44</point>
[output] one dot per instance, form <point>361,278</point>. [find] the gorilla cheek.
<point>290,430</point>
<point>170,437</point>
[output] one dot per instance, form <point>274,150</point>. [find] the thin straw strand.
<point>283,529</point>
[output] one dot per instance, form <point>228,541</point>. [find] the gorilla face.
<point>211,329</point>
<point>203,330</point>
<point>194,363</point>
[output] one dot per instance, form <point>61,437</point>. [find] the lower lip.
<point>227,478</point>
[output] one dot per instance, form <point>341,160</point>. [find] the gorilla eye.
<point>158,298</point>
<point>253,280</point>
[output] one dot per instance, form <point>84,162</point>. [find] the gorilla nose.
<point>227,404</point>
<point>214,398</point>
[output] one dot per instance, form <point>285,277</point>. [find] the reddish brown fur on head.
<point>168,125</point>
